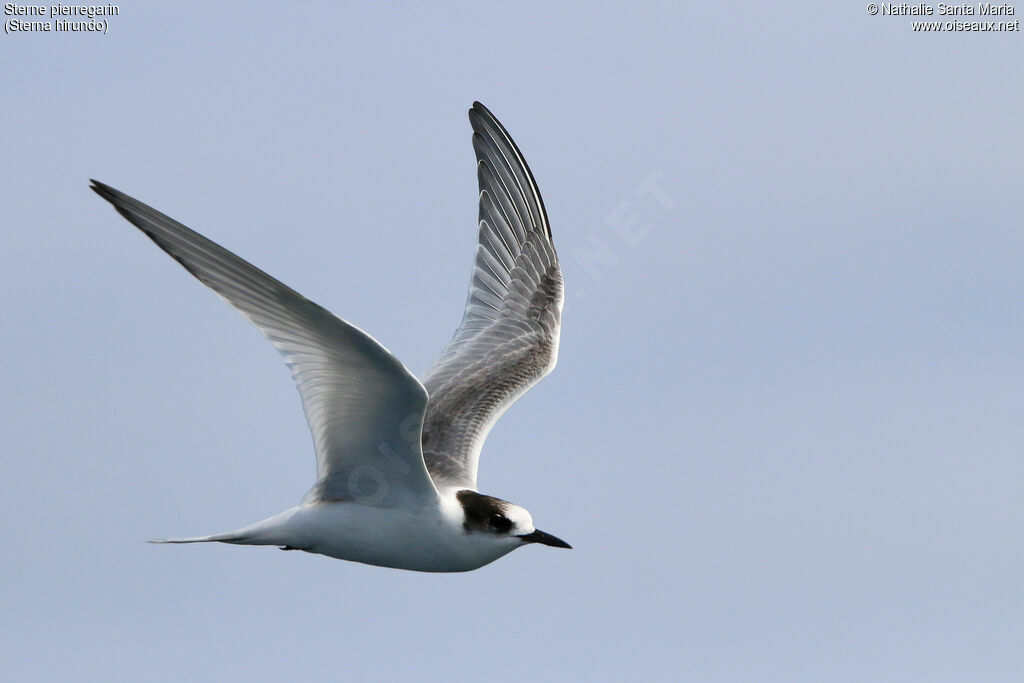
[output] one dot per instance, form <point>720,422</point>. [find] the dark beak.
<point>539,536</point>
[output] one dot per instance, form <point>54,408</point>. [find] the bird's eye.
<point>500,523</point>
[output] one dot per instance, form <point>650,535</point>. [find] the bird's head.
<point>505,522</point>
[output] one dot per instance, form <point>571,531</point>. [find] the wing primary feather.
<point>339,370</point>
<point>495,355</point>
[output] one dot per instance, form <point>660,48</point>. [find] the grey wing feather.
<point>508,339</point>
<point>363,406</point>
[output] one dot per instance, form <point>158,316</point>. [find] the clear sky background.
<point>786,431</point>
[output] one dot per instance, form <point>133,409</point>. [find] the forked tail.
<point>230,537</point>
<point>272,531</point>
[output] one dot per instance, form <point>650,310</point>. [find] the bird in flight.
<point>396,456</point>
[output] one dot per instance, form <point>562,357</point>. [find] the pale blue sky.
<point>786,432</point>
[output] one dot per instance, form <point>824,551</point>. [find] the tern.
<point>397,457</point>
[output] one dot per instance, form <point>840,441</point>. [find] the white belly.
<point>424,540</point>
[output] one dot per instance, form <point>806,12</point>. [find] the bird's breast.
<point>419,540</point>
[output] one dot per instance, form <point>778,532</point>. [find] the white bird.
<point>396,457</point>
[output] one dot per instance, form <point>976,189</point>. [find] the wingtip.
<point>102,189</point>
<point>480,110</point>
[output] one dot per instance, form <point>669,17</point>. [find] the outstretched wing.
<point>364,407</point>
<point>508,339</point>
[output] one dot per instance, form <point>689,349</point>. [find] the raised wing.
<point>508,339</point>
<point>364,408</point>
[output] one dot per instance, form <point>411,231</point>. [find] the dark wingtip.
<point>103,190</point>
<point>480,110</point>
